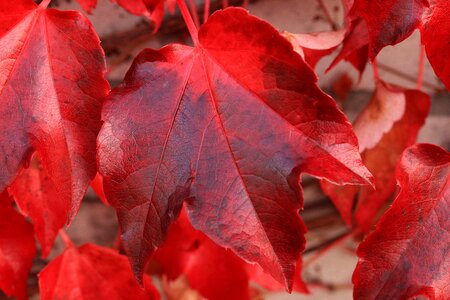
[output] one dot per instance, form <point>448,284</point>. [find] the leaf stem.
<point>333,243</point>
<point>327,15</point>
<point>224,3</point>
<point>44,4</point>
<point>66,239</point>
<point>194,14</point>
<point>421,67</point>
<point>193,31</point>
<point>206,11</point>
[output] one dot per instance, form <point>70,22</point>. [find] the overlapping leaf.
<point>388,125</point>
<point>17,249</point>
<point>216,273</point>
<point>391,21</point>
<point>92,272</point>
<point>51,90</point>
<point>408,253</point>
<point>152,9</point>
<point>228,125</point>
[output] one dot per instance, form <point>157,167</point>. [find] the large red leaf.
<point>51,90</point>
<point>229,124</point>
<point>408,253</point>
<point>92,272</point>
<point>389,21</point>
<point>388,125</point>
<point>17,249</point>
<point>435,33</point>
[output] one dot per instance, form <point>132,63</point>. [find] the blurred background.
<point>329,258</point>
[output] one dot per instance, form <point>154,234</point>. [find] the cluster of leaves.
<point>200,151</point>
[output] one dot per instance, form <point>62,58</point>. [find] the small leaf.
<point>17,249</point>
<point>92,272</point>
<point>388,125</point>
<point>408,253</point>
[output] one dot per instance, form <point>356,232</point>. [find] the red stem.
<point>376,74</point>
<point>66,239</point>
<point>245,4</point>
<point>44,4</point>
<point>327,14</point>
<point>322,251</point>
<point>194,14</point>
<point>189,22</point>
<point>225,3</point>
<point>206,11</point>
<point>421,67</point>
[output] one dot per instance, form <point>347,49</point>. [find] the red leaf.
<point>97,186</point>
<point>233,123</point>
<point>91,272</point>
<point>355,46</point>
<point>87,5</point>
<point>17,249</point>
<point>37,198</point>
<point>388,125</point>
<point>313,46</point>
<point>152,9</point>
<point>389,21</point>
<point>215,272</point>
<point>408,253</point>
<point>51,89</point>
<point>435,34</point>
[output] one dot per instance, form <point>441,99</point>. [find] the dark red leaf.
<point>408,253</point>
<point>436,38</point>
<point>389,21</point>
<point>51,90</point>
<point>17,249</point>
<point>388,125</point>
<point>92,272</point>
<point>229,124</point>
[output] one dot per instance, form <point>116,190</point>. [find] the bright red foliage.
<point>408,253</point>
<point>17,249</point>
<point>90,273</point>
<point>220,132</point>
<point>388,125</point>
<point>233,124</point>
